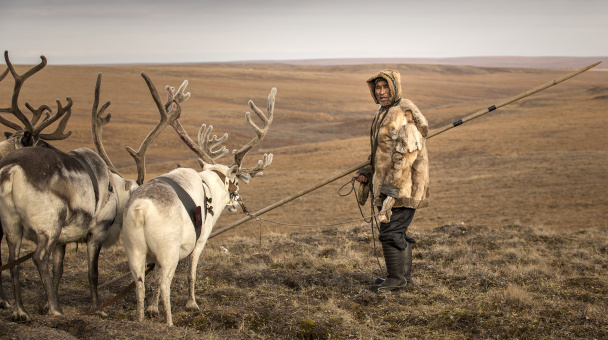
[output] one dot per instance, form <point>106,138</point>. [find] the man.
<point>399,174</point>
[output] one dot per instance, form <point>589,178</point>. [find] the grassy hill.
<point>513,244</point>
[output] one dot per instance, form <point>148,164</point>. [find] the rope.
<point>352,181</point>
<point>368,219</point>
<point>127,289</point>
<point>16,262</point>
<point>372,217</point>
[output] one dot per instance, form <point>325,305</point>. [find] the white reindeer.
<point>29,134</point>
<point>157,225</point>
<point>83,201</point>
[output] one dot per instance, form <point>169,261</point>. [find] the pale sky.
<point>175,31</point>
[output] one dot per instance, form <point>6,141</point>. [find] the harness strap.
<point>92,176</point>
<point>231,186</point>
<point>187,201</point>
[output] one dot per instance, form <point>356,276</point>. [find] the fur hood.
<point>393,78</point>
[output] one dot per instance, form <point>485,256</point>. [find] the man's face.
<point>382,92</point>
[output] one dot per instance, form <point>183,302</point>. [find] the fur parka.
<point>400,159</point>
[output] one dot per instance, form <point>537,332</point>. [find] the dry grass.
<point>514,244</point>
<point>473,282</point>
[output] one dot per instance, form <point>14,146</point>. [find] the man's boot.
<point>407,267</point>
<point>407,261</point>
<point>394,259</point>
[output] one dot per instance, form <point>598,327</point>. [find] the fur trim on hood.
<point>393,78</point>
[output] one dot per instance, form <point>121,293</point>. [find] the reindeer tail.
<point>133,222</point>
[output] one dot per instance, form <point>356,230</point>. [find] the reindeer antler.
<point>62,112</point>
<point>261,133</point>
<point>97,123</point>
<point>169,113</point>
<point>3,75</point>
<point>204,148</point>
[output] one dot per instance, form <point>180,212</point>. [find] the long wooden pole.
<point>432,134</point>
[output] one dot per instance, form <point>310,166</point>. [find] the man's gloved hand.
<point>363,175</point>
<point>361,178</point>
<point>391,192</point>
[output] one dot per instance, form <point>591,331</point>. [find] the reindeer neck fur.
<point>16,141</point>
<point>7,146</point>
<point>218,188</point>
<point>122,189</point>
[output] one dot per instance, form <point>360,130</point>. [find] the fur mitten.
<point>385,213</point>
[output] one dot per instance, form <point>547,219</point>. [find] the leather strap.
<point>92,176</point>
<point>231,186</point>
<point>187,201</point>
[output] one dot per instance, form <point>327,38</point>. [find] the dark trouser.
<point>393,232</point>
<point>397,250</point>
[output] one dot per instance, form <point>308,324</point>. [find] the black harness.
<point>193,210</point>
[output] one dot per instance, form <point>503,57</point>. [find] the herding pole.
<point>432,134</point>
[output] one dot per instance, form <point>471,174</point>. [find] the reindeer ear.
<point>233,171</point>
<point>130,185</point>
<point>203,164</point>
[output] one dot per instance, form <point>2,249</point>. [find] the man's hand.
<point>360,178</point>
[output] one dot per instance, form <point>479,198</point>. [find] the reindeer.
<point>29,134</point>
<point>84,197</point>
<point>162,225</point>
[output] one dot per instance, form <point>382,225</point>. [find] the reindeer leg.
<point>58,255</point>
<point>41,258</point>
<point>93,250</point>
<point>14,245</point>
<point>152,310</point>
<point>166,276</point>
<point>138,269</point>
<point>140,284</point>
<point>191,305</point>
<point>4,304</point>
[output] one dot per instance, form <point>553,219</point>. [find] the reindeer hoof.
<point>45,310</point>
<point>102,314</point>
<point>5,304</point>
<point>191,306</point>
<point>21,317</point>
<point>152,312</point>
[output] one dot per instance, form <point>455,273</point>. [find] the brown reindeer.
<point>28,134</point>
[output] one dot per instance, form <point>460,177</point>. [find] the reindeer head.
<point>231,174</point>
<point>31,134</point>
